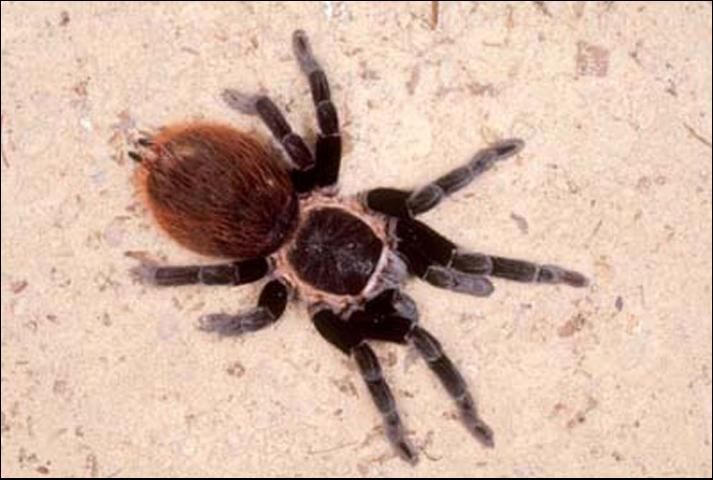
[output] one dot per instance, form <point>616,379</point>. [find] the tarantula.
<point>224,193</point>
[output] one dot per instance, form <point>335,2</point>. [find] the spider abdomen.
<point>335,251</point>
<point>218,191</point>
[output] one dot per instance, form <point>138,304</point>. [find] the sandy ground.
<point>102,376</point>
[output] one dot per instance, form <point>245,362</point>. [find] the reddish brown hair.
<point>218,191</point>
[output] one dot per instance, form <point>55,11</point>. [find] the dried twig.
<point>697,135</point>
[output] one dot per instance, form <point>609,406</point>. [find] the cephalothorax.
<point>224,193</point>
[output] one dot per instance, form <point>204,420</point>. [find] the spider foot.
<point>475,425</point>
<point>397,437</point>
<point>406,452</point>
<point>303,52</point>
<point>482,433</point>
<point>231,325</point>
<point>242,102</point>
<point>144,272</point>
<point>555,274</point>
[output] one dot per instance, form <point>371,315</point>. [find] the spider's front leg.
<point>407,204</point>
<point>437,260</point>
<point>430,255</point>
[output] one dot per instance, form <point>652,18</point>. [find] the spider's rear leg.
<point>437,260</point>
<point>265,108</point>
<point>431,351</point>
<point>382,319</point>
<point>404,203</point>
<point>348,338</point>
<point>270,307</point>
<point>328,148</point>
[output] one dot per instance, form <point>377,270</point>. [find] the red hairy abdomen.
<point>218,191</point>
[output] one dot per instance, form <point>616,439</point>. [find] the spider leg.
<point>381,320</point>
<point>328,147</point>
<point>271,116</point>
<point>270,306</point>
<point>440,262</point>
<point>431,350</point>
<point>350,340</point>
<point>389,201</point>
<point>518,270</point>
<point>429,256</point>
<point>403,203</point>
<point>383,398</point>
<point>235,273</point>
<point>392,305</point>
<point>428,196</point>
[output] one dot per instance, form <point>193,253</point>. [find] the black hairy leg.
<point>440,262</point>
<point>322,170</point>
<point>392,316</point>
<point>270,306</point>
<point>429,256</point>
<point>518,270</point>
<point>328,147</point>
<point>265,108</point>
<point>432,352</point>
<point>388,317</point>
<point>235,273</point>
<point>382,320</point>
<point>406,203</point>
<point>349,338</point>
<point>370,370</point>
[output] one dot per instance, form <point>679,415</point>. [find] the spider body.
<point>341,254</point>
<point>227,194</point>
<point>335,251</point>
